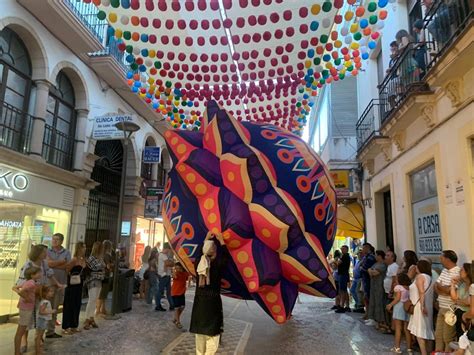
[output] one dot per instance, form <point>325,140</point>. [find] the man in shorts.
<point>343,265</point>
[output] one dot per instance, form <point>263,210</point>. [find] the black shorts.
<point>179,301</point>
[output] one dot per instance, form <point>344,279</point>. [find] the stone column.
<point>80,139</point>
<point>41,103</point>
<point>79,217</point>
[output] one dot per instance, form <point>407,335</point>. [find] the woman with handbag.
<point>73,292</point>
<point>95,269</point>
<point>421,310</point>
<point>460,295</point>
<point>466,341</point>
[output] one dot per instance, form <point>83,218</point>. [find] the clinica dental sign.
<point>104,126</point>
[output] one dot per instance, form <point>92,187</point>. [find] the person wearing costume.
<point>207,318</point>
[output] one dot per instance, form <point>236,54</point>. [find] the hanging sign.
<point>152,202</point>
<point>104,127</point>
<point>152,155</point>
<point>341,182</point>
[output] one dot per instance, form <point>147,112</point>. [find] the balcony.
<point>58,148</point>
<point>406,88</point>
<point>15,128</point>
<point>369,138</point>
<point>73,22</point>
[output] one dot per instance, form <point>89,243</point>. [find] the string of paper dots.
<point>282,55</point>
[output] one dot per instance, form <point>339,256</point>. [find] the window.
<point>414,13</point>
<point>15,89</point>
<point>324,121</point>
<point>426,220</point>
<point>58,141</point>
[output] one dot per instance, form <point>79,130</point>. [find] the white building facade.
<point>415,133</point>
<point>58,73</point>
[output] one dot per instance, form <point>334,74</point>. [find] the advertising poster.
<point>426,222</point>
<point>152,202</point>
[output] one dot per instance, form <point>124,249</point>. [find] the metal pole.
<point>115,290</point>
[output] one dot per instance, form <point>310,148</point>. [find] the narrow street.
<point>314,329</point>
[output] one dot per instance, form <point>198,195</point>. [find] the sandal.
<point>396,350</point>
<point>68,332</point>
<point>87,325</point>
<point>76,330</point>
<point>179,325</point>
<point>94,324</point>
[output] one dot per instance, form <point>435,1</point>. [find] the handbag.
<point>450,317</point>
<point>75,279</point>
<point>409,307</point>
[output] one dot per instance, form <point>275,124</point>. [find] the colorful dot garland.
<point>337,36</point>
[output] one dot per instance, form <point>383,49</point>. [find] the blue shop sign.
<point>152,155</point>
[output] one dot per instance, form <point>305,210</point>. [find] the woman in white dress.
<point>421,296</point>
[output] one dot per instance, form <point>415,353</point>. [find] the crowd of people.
<point>429,310</point>
<point>51,277</point>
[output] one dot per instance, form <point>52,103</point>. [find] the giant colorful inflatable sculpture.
<point>270,197</point>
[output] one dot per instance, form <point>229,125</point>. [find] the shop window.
<point>425,209</point>
<point>21,226</point>
<point>15,89</point>
<point>58,143</point>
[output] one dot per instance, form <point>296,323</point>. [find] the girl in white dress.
<point>421,296</point>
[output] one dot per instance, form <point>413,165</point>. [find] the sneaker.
<point>340,310</point>
<point>334,307</point>
<point>161,309</point>
<point>53,336</point>
<point>371,323</point>
<point>396,350</point>
<point>348,309</point>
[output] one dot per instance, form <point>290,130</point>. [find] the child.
<point>400,317</point>
<point>178,289</point>
<point>44,316</point>
<point>151,276</point>
<point>26,304</point>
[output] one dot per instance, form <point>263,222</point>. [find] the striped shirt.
<point>445,280</point>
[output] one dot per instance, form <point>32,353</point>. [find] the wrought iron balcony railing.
<point>58,148</point>
<point>15,128</point>
<point>87,13</point>
<point>444,22</point>
<point>368,125</point>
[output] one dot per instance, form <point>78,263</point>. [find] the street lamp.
<point>128,128</point>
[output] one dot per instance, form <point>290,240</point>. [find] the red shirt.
<point>178,287</point>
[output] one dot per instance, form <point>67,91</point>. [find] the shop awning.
<point>350,220</point>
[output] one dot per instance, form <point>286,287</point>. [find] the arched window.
<point>58,141</point>
<point>15,89</point>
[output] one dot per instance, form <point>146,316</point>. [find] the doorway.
<point>387,210</point>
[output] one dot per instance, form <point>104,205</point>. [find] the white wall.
<point>101,99</point>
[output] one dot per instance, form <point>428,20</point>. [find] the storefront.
<point>147,232</point>
<point>32,209</point>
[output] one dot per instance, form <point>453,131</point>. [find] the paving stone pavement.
<point>233,340</point>
<point>314,329</point>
